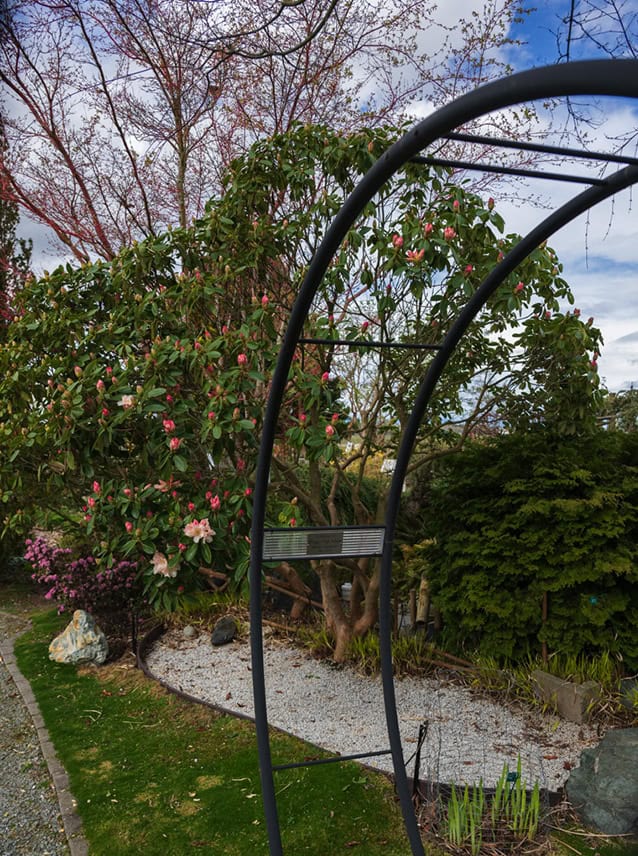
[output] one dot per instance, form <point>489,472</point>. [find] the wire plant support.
<point>614,78</point>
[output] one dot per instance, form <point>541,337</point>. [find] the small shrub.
<point>79,582</point>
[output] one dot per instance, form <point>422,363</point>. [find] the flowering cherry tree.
<point>135,388</point>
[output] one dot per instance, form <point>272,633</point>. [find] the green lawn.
<point>153,774</point>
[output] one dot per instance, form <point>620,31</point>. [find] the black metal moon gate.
<point>616,78</point>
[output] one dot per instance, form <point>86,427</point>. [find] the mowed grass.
<point>153,774</point>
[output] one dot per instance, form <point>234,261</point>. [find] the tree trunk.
<point>336,618</point>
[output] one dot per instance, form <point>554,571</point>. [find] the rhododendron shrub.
<point>134,390</point>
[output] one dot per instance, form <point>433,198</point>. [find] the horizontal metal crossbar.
<point>325,542</point>
<point>336,759</point>
<point>506,170</point>
<point>408,346</point>
<point>541,148</point>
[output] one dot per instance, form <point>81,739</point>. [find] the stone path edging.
<point>78,845</point>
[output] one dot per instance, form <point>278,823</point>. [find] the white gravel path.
<point>468,738</point>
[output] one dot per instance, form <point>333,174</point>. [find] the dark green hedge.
<point>528,514</point>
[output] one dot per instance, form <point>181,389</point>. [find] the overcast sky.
<point>599,251</point>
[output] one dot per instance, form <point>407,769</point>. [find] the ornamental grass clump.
<point>475,822</point>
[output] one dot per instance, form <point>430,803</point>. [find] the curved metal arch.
<point>617,78</point>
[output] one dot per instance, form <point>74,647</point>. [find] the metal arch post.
<point>600,77</point>
<point>576,206</point>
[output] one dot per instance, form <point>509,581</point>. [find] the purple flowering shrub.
<point>80,583</point>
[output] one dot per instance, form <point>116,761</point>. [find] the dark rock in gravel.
<point>224,631</point>
<point>604,788</point>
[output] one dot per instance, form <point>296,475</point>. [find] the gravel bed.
<point>30,823</point>
<point>469,737</point>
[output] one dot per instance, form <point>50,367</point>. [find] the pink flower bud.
<point>91,501</point>
<point>364,326</point>
<point>248,491</point>
<point>397,241</point>
<point>335,418</point>
<point>109,370</point>
<point>292,522</point>
<point>169,398</point>
<point>576,313</point>
<point>302,418</point>
<point>325,377</point>
<point>242,359</point>
<point>449,233</point>
<point>100,385</point>
<point>490,203</point>
<point>128,526</point>
<point>264,300</point>
<point>428,229</point>
<point>329,430</point>
<point>215,503</point>
<point>468,269</point>
<point>168,425</point>
<point>456,205</point>
<point>105,411</point>
<point>519,288</point>
<point>127,491</point>
<point>77,371</point>
<point>174,444</point>
<point>211,415</point>
<point>96,487</point>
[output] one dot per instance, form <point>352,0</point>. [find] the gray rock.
<point>189,632</point>
<point>224,631</point>
<point>604,788</point>
<point>81,641</point>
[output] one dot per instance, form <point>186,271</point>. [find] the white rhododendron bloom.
<point>160,566</point>
<point>199,530</point>
<point>127,401</point>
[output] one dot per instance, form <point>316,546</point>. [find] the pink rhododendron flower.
<point>456,205</point>
<point>468,269</point>
<point>415,255</point>
<point>335,418</point>
<point>449,233</point>
<point>128,526</point>
<point>302,418</point>
<point>325,377</point>
<point>242,359</point>
<point>490,203</point>
<point>127,491</point>
<point>105,411</point>
<point>191,506</point>
<point>215,503</point>
<point>264,300</point>
<point>292,522</point>
<point>329,430</point>
<point>428,229</point>
<point>397,241</point>
<point>211,414</point>
<point>160,566</point>
<point>364,326</point>
<point>108,370</point>
<point>576,313</point>
<point>127,401</point>
<point>248,491</point>
<point>168,425</point>
<point>174,444</point>
<point>519,288</point>
<point>169,398</point>
<point>100,385</point>
<point>91,501</point>
<point>96,487</point>
<point>199,530</point>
